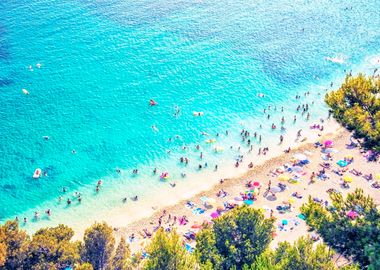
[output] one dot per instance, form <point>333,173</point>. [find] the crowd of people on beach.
<point>284,178</point>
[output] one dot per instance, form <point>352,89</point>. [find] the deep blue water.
<point>102,61</point>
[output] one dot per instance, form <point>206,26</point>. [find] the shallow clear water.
<point>101,62</point>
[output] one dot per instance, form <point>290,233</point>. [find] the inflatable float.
<point>210,141</point>
<point>26,92</point>
<point>37,173</point>
<point>164,176</point>
<point>152,102</point>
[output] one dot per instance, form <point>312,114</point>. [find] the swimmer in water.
<point>73,151</point>
<point>155,128</point>
<point>45,137</point>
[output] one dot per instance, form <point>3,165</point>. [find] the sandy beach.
<point>262,173</point>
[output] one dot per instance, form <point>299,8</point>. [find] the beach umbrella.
<point>248,202</point>
<point>328,143</point>
<point>284,177</point>
<point>291,200</point>
<point>347,178</point>
<point>284,222</point>
<point>329,150</point>
<point>349,156</point>
<point>256,184</point>
<point>238,199</point>
<point>300,156</point>
<point>275,189</point>
<point>196,226</point>
<point>378,176</point>
<point>297,168</point>
<point>208,200</point>
<point>232,202</point>
<point>214,215</point>
<point>211,201</point>
<point>352,214</point>
<point>220,207</point>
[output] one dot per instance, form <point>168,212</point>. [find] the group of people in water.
<point>248,140</point>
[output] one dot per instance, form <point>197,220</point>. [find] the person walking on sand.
<point>281,138</point>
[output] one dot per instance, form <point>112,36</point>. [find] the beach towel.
<point>198,211</point>
<point>342,163</point>
<point>190,204</point>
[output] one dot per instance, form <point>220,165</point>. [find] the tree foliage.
<point>356,105</point>
<point>51,248</point>
<point>84,266</point>
<point>14,244</point>
<point>121,259</point>
<point>166,251</point>
<point>98,247</point>
<point>354,238</point>
<point>235,239</point>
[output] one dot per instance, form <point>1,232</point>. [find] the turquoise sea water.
<point>101,62</point>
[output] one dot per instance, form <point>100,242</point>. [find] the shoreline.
<point>192,186</point>
<point>259,173</point>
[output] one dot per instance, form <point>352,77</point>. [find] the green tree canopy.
<point>356,105</point>
<point>121,259</point>
<point>14,243</point>
<point>98,247</point>
<point>3,253</point>
<point>303,254</point>
<point>51,248</point>
<point>235,239</point>
<point>166,251</point>
<point>349,236</point>
<point>84,266</point>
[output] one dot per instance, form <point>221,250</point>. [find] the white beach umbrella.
<point>300,156</point>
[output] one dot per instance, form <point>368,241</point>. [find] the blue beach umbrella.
<point>248,202</point>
